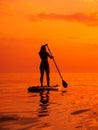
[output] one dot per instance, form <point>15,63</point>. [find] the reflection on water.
<point>44,99</point>
<point>47,110</point>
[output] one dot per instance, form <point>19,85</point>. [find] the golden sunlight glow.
<point>89,0</point>
<point>69,27</point>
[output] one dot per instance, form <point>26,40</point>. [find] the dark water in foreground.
<point>66,109</point>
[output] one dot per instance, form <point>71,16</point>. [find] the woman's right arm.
<point>50,56</point>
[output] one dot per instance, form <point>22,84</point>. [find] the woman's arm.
<point>50,56</point>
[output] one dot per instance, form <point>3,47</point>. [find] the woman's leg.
<point>47,75</point>
<point>41,74</point>
<point>41,77</point>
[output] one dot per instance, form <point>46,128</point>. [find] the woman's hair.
<point>43,48</point>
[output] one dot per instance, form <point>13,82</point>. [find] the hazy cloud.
<point>93,45</point>
<point>87,19</point>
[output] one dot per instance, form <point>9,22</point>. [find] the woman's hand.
<point>46,44</point>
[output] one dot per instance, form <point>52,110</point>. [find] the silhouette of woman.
<point>44,65</point>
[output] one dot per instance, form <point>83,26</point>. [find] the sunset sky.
<point>70,27</point>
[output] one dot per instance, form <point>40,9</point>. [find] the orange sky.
<point>69,27</point>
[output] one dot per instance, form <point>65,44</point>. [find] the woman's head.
<point>43,48</point>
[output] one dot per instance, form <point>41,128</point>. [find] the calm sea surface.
<point>63,109</point>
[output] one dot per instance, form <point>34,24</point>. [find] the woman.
<point>44,65</point>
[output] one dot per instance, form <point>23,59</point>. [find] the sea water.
<point>66,109</point>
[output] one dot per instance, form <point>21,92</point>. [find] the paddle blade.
<point>64,84</point>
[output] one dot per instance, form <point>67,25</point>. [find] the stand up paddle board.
<point>39,88</point>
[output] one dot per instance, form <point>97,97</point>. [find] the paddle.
<point>63,82</point>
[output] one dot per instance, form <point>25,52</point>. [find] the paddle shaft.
<point>55,63</point>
